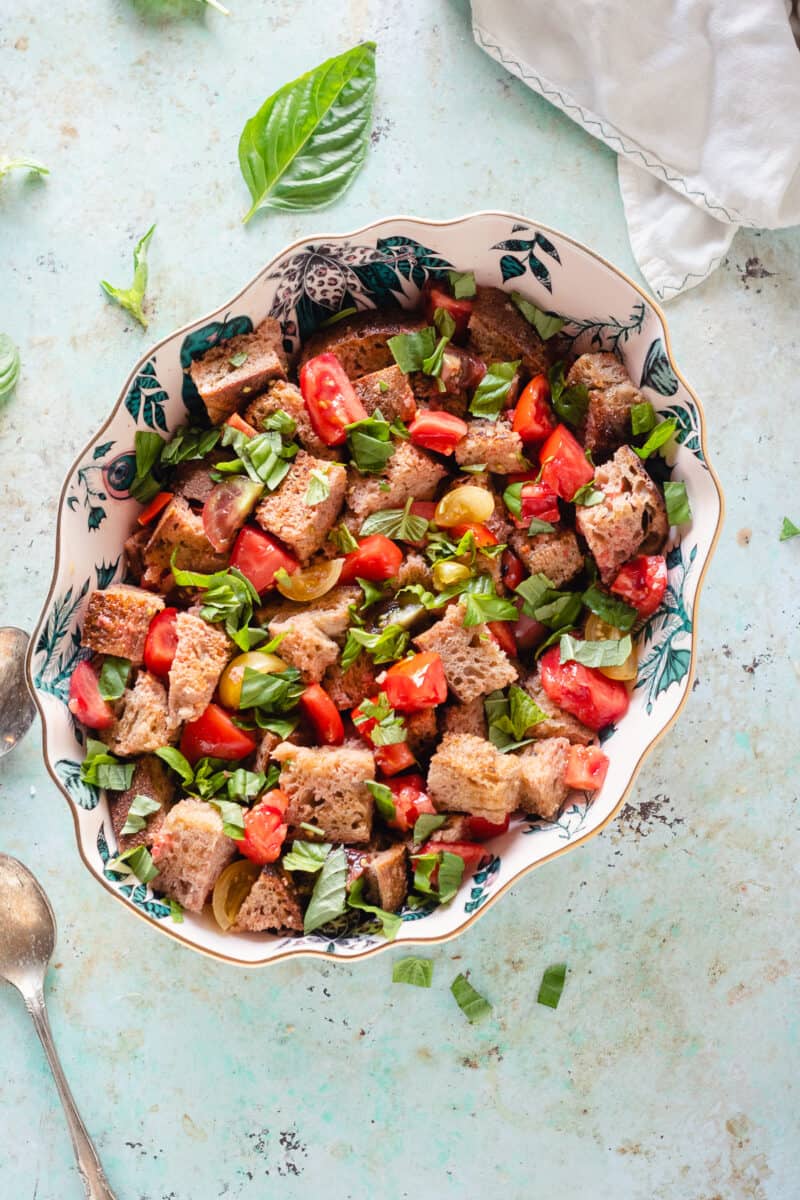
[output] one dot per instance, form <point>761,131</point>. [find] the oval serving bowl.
<point>385,262</point>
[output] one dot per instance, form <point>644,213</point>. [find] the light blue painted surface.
<point>670,1068</point>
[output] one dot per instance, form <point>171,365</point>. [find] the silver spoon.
<point>17,709</point>
<point>27,940</point>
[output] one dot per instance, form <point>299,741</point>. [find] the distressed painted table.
<point>670,1068</point>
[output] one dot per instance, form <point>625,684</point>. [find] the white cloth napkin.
<point>700,99</point>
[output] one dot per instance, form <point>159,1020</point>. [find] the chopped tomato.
<point>393,759</point>
<point>540,501</point>
<point>376,559</point>
<point>502,633</point>
<point>461,371</point>
<point>214,734</point>
<point>528,633</point>
<point>154,507</point>
<point>587,767</point>
<point>259,557</point>
<point>533,416</point>
<point>471,852</point>
<point>565,467</point>
<point>481,829</point>
<point>330,398</point>
<point>522,477</point>
<point>85,701</point>
<point>237,422</point>
<point>264,830</point>
<point>227,509</point>
<point>436,296</point>
<point>161,642</point>
<point>410,800</point>
<point>483,536</point>
<point>583,691</point>
<point>642,583</point>
<point>512,569</point>
<point>323,715</point>
<point>415,683</point>
<point>439,431</point>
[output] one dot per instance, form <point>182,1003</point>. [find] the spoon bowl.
<point>17,708</point>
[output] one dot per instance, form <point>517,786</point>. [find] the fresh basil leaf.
<point>132,298</point>
<point>7,165</point>
<point>679,510</point>
<point>103,769</point>
<point>9,366</point>
<point>330,892</point>
<point>189,443</point>
<point>318,488</point>
<point>232,817</point>
<point>343,539</point>
<point>570,403</point>
<point>339,316</point>
<point>114,675</point>
<point>536,590</point>
<point>278,693</point>
<point>148,448</point>
<point>611,653</point>
<point>473,1005</point>
<point>560,612</point>
<point>176,911</point>
<point>309,140</point>
<point>141,808</point>
<point>179,764</point>
<point>432,365</point>
<point>398,523</point>
<point>788,528</point>
<point>265,458</point>
<point>512,498</point>
<point>444,323</point>
<point>229,595</point>
<point>588,495</point>
<point>136,861</point>
<point>307,856</point>
<point>545,324</point>
<point>409,350</point>
<point>607,608</point>
<point>552,985</point>
<point>490,394</point>
<point>538,526</point>
<point>387,645</point>
<point>390,728</point>
<point>245,785</point>
<point>370,444</point>
<point>509,717</point>
<point>384,800</point>
<point>416,971</point>
<point>658,438</point>
<point>643,418</point>
<point>480,608</point>
<point>373,592</point>
<point>451,872</point>
<point>280,422</point>
<point>462,283</point>
<point>390,922</point>
<point>426,824</point>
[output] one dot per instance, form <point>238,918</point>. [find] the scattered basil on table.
<point>7,165</point>
<point>552,985</point>
<point>416,971</point>
<point>132,298</point>
<point>9,366</point>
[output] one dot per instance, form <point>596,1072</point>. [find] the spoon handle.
<point>91,1172</point>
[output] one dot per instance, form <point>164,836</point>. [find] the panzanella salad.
<point>383,599</point>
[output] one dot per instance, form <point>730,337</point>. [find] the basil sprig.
<point>148,448</point>
<point>370,444</point>
<point>410,350</point>
<point>132,298</point>
<point>643,418</point>
<point>229,597</point>
<point>659,437</point>
<point>426,824</point>
<point>329,896</point>
<point>384,800</point>
<point>265,458</point>
<point>104,769</point>
<point>546,604</point>
<point>390,728</point>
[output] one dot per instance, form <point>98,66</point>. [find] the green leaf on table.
<point>679,511</point>
<point>490,394</point>
<point>462,283</point>
<point>609,609</point>
<point>473,1005</point>
<point>309,140</point>
<point>545,324</point>
<point>9,366</point>
<point>788,529</point>
<point>329,896</point>
<point>114,675</point>
<point>390,922</point>
<point>7,165</point>
<point>141,808</point>
<point>552,985</point>
<point>307,856</point>
<point>132,298</point>
<point>416,971</point>
<point>104,769</point>
<point>610,653</point>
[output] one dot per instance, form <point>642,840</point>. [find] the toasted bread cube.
<point>151,778</point>
<point>473,662</point>
<point>455,829</point>
<point>192,479</point>
<point>305,646</point>
<point>286,396</point>
<point>421,731</point>
<point>361,342</point>
<point>326,786</point>
<point>223,385</point>
<point>631,520</point>
<point>303,527</point>
<point>558,724</point>
<point>465,718</point>
<point>500,333</point>
<point>542,767</point>
<point>409,474</point>
<point>200,658</point>
<point>612,394</point>
<point>494,443</point>
<point>179,529</point>
<point>142,723</point>
<point>468,774</point>
<point>389,391</point>
<point>413,569</point>
<point>386,878</point>
<point>117,621</point>
<point>556,555</point>
<point>272,905</point>
<point>191,852</point>
<point>348,688</point>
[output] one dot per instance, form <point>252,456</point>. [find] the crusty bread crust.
<point>556,555</point>
<point>499,332</point>
<point>141,725</point>
<point>223,386</point>
<point>493,443</point>
<point>389,391</point>
<point>410,474</point>
<point>468,774</point>
<point>612,394</point>
<point>360,342</point>
<point>284,513</point>
<point>473,662</point>
<point>287,396</point>
<point>541,771</point>
<point>179,528</point>
<point>117,621</point>
<point>200,658</point>
<point>632,518</point>
<point>271,906</point>
<point>386,878</point>
<point>151,778</point>
<point>326,788</point>
<point>191,852</point>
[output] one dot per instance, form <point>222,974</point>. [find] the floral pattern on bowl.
<point>387,262</point>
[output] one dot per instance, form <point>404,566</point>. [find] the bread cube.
<point>223,385</point>
<point>326,786</point>
<point>191,852</point>
<point>117,621</point>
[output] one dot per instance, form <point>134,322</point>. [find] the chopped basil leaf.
<point>141,808</point>
<point>570,403</point>
<point>370,444</point>
<point>238,360</point>
<point>509,718</point>
<point>174,759</point>
<point>330,892</point>
<point>148,448</point>
<point>448,869</point>
<point>373,592</point>
<point>472,1003</point>
<point>229,595</point>
<point>610,653</point>
<point>490,394</point>
<point>245,785</point>
<point>545,324</point>
<point>113,677</point>
<point>390,922</point>
<point>132,298</point>
<point>679,510</point>
<point>432,365</point>
<point>481,607</point>
<point>552,985</point>
<point>538,526</point>
<point>274,694</point>
<point>612,611</point>
<point>339,316</point>
<point>462,283</point>
<point>385,646</point>
<point>280,422</point>
<point>343,539</point>
<point>383,385</point>
<point>232,817</point>
<point>265,458</point>
<point>136,861</point>
<point>445,325</point>
<point>451,872</point>
<point>658,438</point>
<point>390,728</point>
<point>176,911</point>
<point>643,418</point>
<point>409,350</point>
<point>384,800</point>
<point>473,468</point>
<point>416,971</point>
<point>318,488</point>
<point>788,529</point>
<point>307,856</point>
<point>105,770</point>
<point>545,603</point>
<point>512,498</point>
<point>189,443</point>
<point>426,824</point>
<point>398,523</point>
<point>588,495</point>
<point>9,363</point>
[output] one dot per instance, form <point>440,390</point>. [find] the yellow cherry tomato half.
<point>230,684</point>
<point>309,583</point>
<point>465,505</point>
<point>231,890</point>
<point>598,630</point>
<point>445,574</point>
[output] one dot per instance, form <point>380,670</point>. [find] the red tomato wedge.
<point>587,767</point>
<point>591,697</point>
<point>436,296</point>
<point>264,830</point>
<point>439,431</point>
<point>161,642</point>
<point>483,536</point>
<point>533,416</point>
<point>503,633</point>
<point>155,506</point>
<point>540,501</point>
<point>376,559</point>
<point>215,734</point>
<point>259,557</point>
<point>415,683</point>
<point>471,852</point>
<point>237,422</point>
<point>513,570</point>
<point>330,398</point>
<point>323,715</point>
<point>481,829</point>
<point>227,509</point>
<point>85,701</point>
<point>394,758</point>
<point>564,465</point>
<point>410,800</point>
<point>642,583</point>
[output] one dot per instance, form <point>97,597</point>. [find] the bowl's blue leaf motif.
<point>482,882</point>
<point>511,267</point>
<point>137,893</point>
<point>59,644</point>
<point>414,261</point>
<point>571,820</point>
<point>146,398</point>
<point>688,430</point>
<point>96,482</point>
<point>102,450</point>
<point>105,572</point>
<point>85,795</point>
<point>605,333</point>
<point>657,372</point>
<point>195,344</point>
<point>667,663</point>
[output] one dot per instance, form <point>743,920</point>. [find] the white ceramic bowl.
<point>386,262</point>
